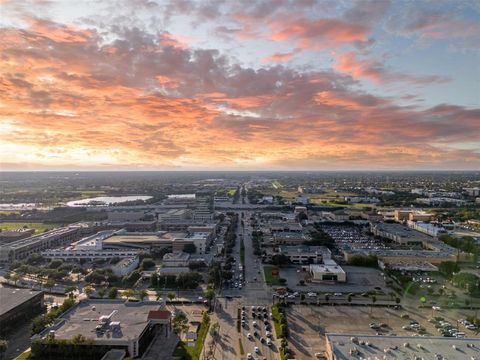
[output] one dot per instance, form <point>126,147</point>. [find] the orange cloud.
<point>279,57</point>
<point>317,34</point>
<point>151,105</point>
<point>378,73</point>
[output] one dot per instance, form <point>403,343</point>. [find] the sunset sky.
<point>239,85</point>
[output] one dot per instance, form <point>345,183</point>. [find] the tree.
<point>159,295</point>
<point>397,300</point>
<point>142,294</point>
<point>88,290</point>
<point>190,248</point>
<point>55,264</point>
<point>147,263</point>
<point>327,298</point>
<point>113,293</point>
<point>349,298</point>
<point>209,294</point>
<point>128,293</point>
<point>171,295</point>
<point>154,280</point>
<point>49,284</point>
<point>448,268</point>
<point>15,277</point>
<point>302,297</point>
<point>70,290</point>
<point>3,348</point>
<point>180,323</point>
<point>101,292</point>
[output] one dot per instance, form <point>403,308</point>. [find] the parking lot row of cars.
<point>255,320</point>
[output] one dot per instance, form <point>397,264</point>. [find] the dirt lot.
<point>308,324</point>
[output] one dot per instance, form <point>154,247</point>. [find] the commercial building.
<point>175,263</point>
<point>23,248</point>
<point>305,254</point>
<point>420,216</point>
<point>204,206</point>
<point>286,227</point>
<point>288,238</point>
<point>398,233</point>
<point>8,236</point>
<point>126,266</point>
<point>355,347</point>
<point>328,271</point>
<point>431,229</point>
<point>109,324</point>
<point>176,215</point>
<point>17,306</point>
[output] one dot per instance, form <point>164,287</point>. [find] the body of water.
<point>106,200</point>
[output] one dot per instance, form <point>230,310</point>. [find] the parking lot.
<point>359,279</point>
<point>258,338</point>
<point>309,324</point>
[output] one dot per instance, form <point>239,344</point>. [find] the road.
<point>255,292</point>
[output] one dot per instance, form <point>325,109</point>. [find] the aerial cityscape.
<point>251,179</point>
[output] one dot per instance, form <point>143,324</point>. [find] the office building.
<point>18,306</point>
<point>111,324</point>
<point>328,271</point>
<point>23,248</point>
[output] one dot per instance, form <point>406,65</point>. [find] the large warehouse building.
<point>17,306</point>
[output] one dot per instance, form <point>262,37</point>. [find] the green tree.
<point>3,348</point>
<point>142,294</point>
<point>171,295</point>
<point>15,277</point>
<point>128,293</point>
<point>154,280</point>
<point>349,298</point>
<point>101,292</point>
<point>49,284</point>
<point>113,293</point>
<point>180,323</point>
<point>190,248</point>
<point>88,290</point>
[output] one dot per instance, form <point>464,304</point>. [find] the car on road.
<point>269,342</point>
<point>257,349</point>
<point>312,294</point>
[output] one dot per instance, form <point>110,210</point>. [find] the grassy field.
<point>269,278</point>
<point>24,356</point>
<point>39,227</point>
<point>194,352</point>
<point>231,192</point>
<point>276,184</point>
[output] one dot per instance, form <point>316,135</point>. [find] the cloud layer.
<point>81,97</point>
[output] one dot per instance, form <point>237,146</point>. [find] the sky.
<point>239,85</point>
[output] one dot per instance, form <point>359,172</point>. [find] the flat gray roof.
<point>11,298</point>
<point>402,347</point>
<point>84,317</point>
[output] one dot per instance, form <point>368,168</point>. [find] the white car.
<point>311,294</point>
<point>249,356</point>
<point>249,336</point>
<point>269,342</point>
<point>257,349</point>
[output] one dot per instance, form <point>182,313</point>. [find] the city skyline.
<point>278,85</point>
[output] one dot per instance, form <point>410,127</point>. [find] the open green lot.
<point>39,227</point>
<point>269,277</point>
